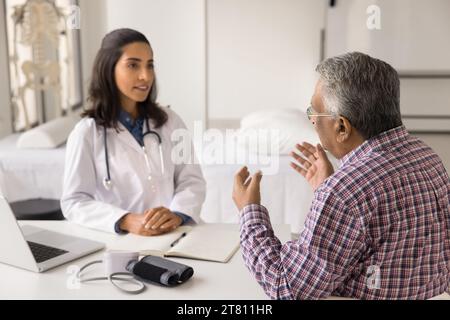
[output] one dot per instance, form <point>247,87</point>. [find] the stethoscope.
<point>107,183</point>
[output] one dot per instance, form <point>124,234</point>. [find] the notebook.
<point>211,242</point>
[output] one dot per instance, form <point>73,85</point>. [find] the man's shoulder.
<point>377,168</point>
<point>359,178</point>
<point>358,170</point>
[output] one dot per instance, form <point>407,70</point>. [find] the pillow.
<point>291,126</point>
<point>48,135</point>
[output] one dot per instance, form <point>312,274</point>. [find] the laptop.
<point>37,249</point>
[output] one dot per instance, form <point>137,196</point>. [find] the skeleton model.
<point>38,24</point>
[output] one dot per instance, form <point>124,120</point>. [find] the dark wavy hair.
<point>103,99</point>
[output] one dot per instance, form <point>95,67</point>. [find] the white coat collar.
<point>127,138</point>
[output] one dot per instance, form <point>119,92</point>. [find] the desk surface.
<point>211,280</point>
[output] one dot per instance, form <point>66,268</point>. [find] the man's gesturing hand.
<point>246,190</point>
<point>314,166</point>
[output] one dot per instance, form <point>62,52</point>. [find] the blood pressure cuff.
<point>160,270</point>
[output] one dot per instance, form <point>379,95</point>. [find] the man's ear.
<point>343,130</point>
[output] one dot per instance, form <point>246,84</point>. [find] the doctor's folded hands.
<point>119,174</point>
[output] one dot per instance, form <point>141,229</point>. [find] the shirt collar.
<point>384,139</point>
<point>127,120</point>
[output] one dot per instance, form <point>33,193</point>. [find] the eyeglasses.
<point>310,112</point>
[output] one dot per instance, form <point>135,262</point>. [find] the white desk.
<point>211,280</point>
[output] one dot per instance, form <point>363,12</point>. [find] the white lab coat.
<point>86,201</point>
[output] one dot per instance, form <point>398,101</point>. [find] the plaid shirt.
<point>378,228</point>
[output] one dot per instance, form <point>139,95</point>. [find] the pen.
<point>176,241</point>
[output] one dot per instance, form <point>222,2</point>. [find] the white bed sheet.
<point>31,174</point>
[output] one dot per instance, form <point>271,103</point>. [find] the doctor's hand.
<point>246,190</point>
<point>315,166</point>
<point>161,219</point>
<point>141,224</point>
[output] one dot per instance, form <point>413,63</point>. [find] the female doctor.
<point>119,175</point>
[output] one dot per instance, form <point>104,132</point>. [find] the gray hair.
<point>364,90</point>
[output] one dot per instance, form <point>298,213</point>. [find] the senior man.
<point>378,227</point>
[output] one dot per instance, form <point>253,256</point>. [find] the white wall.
<point>262,54</point>
<point>414,39</point>
<point>93,28</point>
<point>176,31</point>
<point>5,101</point>
<point>414,35</point>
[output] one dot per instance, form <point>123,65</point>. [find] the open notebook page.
<point>156,245</point>
<point>213,242</point>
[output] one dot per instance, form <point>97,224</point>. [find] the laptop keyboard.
<point>43,253</point>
